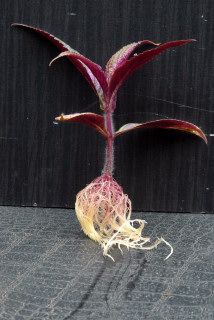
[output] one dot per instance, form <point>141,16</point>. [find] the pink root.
<point>104,211</point>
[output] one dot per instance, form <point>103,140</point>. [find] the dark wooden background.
<point>45,164</point>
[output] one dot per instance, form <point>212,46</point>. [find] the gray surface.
<point>50,270</point>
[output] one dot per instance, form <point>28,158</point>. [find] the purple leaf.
<point>57,42</point>
<point>164,124</point>
<point>125,53</point>
<point>125,66</point>
<point>92,120</point>
<point>90,70</point>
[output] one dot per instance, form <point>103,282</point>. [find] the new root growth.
<point>104,213</point>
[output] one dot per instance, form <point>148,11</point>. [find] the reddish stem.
<point>108,168</point>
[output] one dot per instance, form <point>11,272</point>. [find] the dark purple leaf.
<point>164,124</point>
<point>92,120</point>
<point>126,53</point>
<point>90,70</point>
<point>121,71</point>
<point>57,42</point>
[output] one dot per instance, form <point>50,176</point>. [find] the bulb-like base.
<point>104,212</point>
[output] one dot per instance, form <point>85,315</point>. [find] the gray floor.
<point>50,270</point>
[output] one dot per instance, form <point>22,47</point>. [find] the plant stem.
<point>108,168</point>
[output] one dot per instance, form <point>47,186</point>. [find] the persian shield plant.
<point>102,208</point>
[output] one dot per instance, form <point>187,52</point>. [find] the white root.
<point>119,239</point>
<point>104,213</point>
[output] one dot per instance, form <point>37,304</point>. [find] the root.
<point>104,213</point>
<point>132,241</point>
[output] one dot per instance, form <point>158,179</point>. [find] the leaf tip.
<point>62,54</point>
<point>15,24</point>
<point>52,61</point>
<point>50,64</point>
<point>60,118</point>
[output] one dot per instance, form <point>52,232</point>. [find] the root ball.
<point>104,212</point>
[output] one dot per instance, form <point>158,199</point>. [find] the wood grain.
<point>46,164</point>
